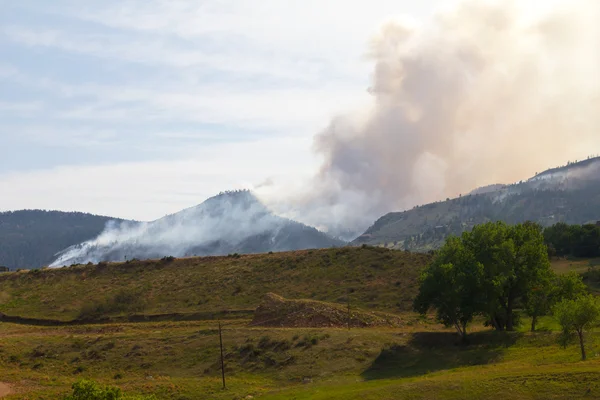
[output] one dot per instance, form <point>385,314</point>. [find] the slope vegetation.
<point>31,238</point>
<point>376,278</point>
<point>568,194</point>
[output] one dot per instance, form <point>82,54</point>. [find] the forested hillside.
<point>582,241</point>
<point>569,194</point>
<point>31,238</point>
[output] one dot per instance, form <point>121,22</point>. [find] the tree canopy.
<point>573,240</point>
<point>577,316</point>
<point>488,271</point>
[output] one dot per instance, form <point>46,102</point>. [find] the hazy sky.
<point>139,108</point>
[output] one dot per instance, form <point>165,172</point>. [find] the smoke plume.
<point>487,92</point>
<point>484,93</point>
<point>229,223</point>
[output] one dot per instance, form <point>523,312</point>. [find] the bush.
<point>90,390</point>
<point>308,341</point>
<point>122,302</point>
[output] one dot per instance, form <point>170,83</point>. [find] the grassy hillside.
<point>377,279</point>
<point>416,359</point>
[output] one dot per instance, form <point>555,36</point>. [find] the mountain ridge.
<point>230,222</point>
<point>568,194</point>
<point>31,238</point>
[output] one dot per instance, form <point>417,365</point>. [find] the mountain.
<point>232,222</point>
<point>568,194</point>
<point>31,238</point>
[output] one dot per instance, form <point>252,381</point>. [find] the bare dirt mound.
<point>276,311</point>
<point>5,389</point>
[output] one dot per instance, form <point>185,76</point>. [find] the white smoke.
<point>484,93</point>
<point>487,92</point>
<point>228,223</point>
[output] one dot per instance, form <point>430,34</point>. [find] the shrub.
<point>90,390</point>
<point>308,341</point>
<point>78,370</point>
<point>122,302</point>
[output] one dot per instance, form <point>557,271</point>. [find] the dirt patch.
<point>276,311</point>
<point>5,389</point>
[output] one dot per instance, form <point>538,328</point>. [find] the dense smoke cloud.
<point>487,92</point>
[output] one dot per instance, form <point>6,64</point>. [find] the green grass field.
<point>179,360</point>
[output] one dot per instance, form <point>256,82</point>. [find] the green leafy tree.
<point>451,285</point>
<point>490,271</point>
<point>551,289</point>
<point>515,261</point>
<point>539,301</point>
<point>568,287</point>
<point>576,317</point>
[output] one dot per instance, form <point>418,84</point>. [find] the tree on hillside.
<point>573,240</point>
<point>515,262</point>
<point>577,316</point>
<point>539,301</point>
<point>558,239</point>
<point>548,292</point>
<point>451,285</point>
<point>489,271</point>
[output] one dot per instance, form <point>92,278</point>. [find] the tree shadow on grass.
<point>434,351</point>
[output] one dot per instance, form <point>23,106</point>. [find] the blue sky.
<point>139,108</point>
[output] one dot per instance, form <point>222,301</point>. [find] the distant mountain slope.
<point>568,194</point>
<point>31,238</point>
<point>232,222</point>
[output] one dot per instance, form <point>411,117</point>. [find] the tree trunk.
<point>509,315</point>
<point>533,321</point>
<point>498,324</point>
<point>462,331</point>
<point>580,334</point>
<point>464,334</point>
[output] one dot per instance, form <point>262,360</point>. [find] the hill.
<point>181,359</point>
<point>569,194</point>
<point>31,238</point>
<point>232,222</point>
<point>378,279</point>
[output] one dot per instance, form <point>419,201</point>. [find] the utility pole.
<point>348,298</point>
<point>222,360</point>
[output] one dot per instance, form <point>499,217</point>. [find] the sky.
<point>140,108</point>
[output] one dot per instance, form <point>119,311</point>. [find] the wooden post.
<point>348,309</point>
<point>222,360</point>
